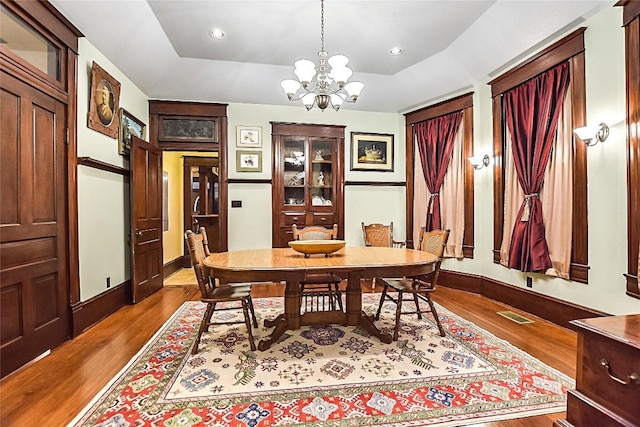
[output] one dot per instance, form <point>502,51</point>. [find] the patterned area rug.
<point>326,376</point>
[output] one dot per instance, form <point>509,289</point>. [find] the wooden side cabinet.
<point>308,178</point>
<point>608,373</point>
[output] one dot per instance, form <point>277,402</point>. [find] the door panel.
<point>34,285</point>
<point>146,219</point>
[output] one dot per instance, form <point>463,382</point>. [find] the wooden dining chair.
<point>212,294</point>
<point>379,235</point>
<point>418,288</point>
<point>319,291</point>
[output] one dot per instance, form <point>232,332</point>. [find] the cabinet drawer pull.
<point>633,377</point>
<point>295,218</point>
<point>323,219</point>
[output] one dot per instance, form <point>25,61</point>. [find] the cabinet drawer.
<point>593,379</point>
<point>325,219</point>
<point>583,412</point>
<point>297,218</point>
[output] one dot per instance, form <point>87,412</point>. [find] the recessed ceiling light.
<point>217,33</point>
<point>395,51</point>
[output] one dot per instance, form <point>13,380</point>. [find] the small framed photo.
<point>103,105</point>
<point>129,127</point>
<point>371,152</point>
<point>249,136</point>
<point>249,161</point>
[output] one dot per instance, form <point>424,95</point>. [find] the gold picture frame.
<point>129,127</point>
<point>248,161</point>
<point>103,103</point>
<point>249,136</point>
<point>371,152</point>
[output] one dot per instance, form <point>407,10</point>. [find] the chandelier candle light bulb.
<point>330,86</point>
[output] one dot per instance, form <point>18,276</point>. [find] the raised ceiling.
<point>448,46</point>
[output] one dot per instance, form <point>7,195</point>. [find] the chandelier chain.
<point>322,24</point>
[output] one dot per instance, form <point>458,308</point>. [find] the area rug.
<point>329,375</point>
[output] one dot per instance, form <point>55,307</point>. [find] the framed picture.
<point>249,161</point>
<point>371,152</point>
<point>249,136</point>
<point>193,129</point>
<point>103,105</point>
<point>129,126</point>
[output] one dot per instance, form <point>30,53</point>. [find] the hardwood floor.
<point>53,390</point>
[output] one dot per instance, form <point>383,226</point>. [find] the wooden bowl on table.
<point>311,247</point>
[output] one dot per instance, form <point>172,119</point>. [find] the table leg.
<point>355,315</point>
<point>290,319</point>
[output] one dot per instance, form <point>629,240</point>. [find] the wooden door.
<point>146,219</point>
<point>34,278</point>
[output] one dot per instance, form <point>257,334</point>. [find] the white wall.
<point>103,197</point>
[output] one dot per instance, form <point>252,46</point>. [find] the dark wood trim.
<point>632,50</point>
<point>98,164</point>
<point>580,233</point>
<point>549,308</point>
<point>223,175</point>
<point>630,12</point>
<point>549,57</point>
<point>464,103</point>
<point>172,266</point>
<point>87,313</point>
<point>307,129</point>
<point>409,162</point>
<point>72,180</point>
<point>633,290</point>
<point>183,108</point>
<point>468,243</point>
<point>249,181</point>
<point>558,52</point>
<point>376,183</point>
<point>449,106</point>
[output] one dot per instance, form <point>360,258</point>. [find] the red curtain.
<point>435,138</point>
<point>532,110</point>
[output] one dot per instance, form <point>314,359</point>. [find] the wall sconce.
<point>479,162</point>
<point>591,135</point>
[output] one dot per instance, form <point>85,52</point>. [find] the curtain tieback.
<point>527,206</point>
<point>431,199</point>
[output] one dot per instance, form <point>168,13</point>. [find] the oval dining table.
<point>286,265</point>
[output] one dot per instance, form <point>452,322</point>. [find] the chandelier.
<point>326,86</point>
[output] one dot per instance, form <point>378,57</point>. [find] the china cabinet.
<point>308,178</point>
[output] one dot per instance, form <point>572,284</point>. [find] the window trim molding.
<point>570,48</point>
<point>631,18</point>
<point>465,103</point>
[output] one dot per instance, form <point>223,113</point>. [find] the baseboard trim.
<point>87,313</point>
<point>171,267</point>
<point>549,308</point>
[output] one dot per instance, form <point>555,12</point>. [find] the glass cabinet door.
<point>321,153</point>
<point>294,172</point>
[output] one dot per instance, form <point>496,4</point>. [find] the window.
<point>462,103</point>
<point>21,39</point>
<point>570,50</point>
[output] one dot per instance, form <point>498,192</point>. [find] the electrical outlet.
<point>108,282</point>
<point>529,282</point>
